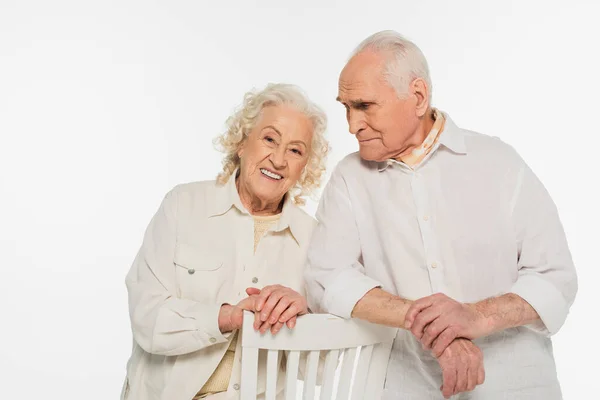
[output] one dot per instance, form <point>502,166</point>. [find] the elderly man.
<point>444,233</point>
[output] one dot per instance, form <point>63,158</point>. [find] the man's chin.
<point>369,155</point>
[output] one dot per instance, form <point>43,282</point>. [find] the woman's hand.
<point>232,317</point>
<point>277,305</point>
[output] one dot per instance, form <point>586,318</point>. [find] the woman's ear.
<point>240,151</point>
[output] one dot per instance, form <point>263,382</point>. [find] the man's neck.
<point>417,138</point>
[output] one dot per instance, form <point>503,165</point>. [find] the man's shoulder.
<point>490,147</point>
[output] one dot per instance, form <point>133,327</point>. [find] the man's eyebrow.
<point>355,103</point>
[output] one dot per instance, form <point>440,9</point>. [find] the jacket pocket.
<point>200,272</point>
<point>193,258</point>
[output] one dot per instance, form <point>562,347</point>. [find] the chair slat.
<point>272,369</point>
<point>329,374</point>
<point>249,373</point>
<point>310,379</point>
<point>378,369</point>
<point>362,370</point>
<point>346,374</point>
<point>291,378</point>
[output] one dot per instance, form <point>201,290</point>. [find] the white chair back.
<point>319,335</point>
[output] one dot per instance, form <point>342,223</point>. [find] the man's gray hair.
<point>406,63</point>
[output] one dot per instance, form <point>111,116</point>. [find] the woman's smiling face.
<point>274,155</point>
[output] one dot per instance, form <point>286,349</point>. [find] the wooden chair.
<point>313,334</point>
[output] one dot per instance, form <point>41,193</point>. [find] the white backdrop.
<point>106,105</point>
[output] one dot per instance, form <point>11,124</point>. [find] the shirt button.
<point>426,218</point>
<point>212,340</point>
<point>255,280</point>
<point>191,271</point>
<point>236,386</point>
<point>433,265</point>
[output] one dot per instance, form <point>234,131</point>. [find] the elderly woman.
<point>212,245</point>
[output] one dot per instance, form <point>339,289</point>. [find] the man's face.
<point>382,122</point>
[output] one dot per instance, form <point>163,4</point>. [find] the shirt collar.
<point>227,197</point>
<point>451,137</point>
<point>290,220</point>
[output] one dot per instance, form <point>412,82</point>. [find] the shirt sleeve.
<point>546,275</point>
<point>335,277</point>
<point>161,322</point>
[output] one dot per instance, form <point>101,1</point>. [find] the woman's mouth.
<point>270,174</point>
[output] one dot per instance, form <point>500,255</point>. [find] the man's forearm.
<point>381,307</point>
<point>506,311</point>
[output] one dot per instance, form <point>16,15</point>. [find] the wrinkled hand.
<point>438,320</point>
<point>231,317</point>
<point>277,305</point>
<point>462,367</point>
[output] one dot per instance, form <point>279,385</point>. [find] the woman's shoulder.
<point>195,188</point>
<point>303,222</point>
<point>193,196</point>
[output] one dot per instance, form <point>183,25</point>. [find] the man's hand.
<point>437,320</point>
<point>277,305</point>
<point>462,367</point>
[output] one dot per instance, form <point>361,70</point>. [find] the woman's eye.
<point>269,139</point>
<point>297,151</point>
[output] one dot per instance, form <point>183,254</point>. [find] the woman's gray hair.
<point>241,123</point>
<point>406,64</point>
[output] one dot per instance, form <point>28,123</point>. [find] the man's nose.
<point>356,122</point>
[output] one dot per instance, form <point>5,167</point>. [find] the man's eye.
<point>362,106</point>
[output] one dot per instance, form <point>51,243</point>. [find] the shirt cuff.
<point>208,331</point>
<point>545,299</point>
<point>349,287</point>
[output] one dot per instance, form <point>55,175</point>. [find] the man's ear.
<point>420,90</point>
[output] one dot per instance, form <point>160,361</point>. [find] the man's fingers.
<point>416,308</point>
<point>461,379</point>
<point>423,319</point>
<point>432,331</point>
<point>448,382</point>
<point>443,341</point>
<point>480,374</point>
<point>252,290</point>
<point>471,378</point>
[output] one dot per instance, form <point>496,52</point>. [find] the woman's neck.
<point>254,205</point>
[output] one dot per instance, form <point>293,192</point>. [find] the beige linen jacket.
<point>198,253</point>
